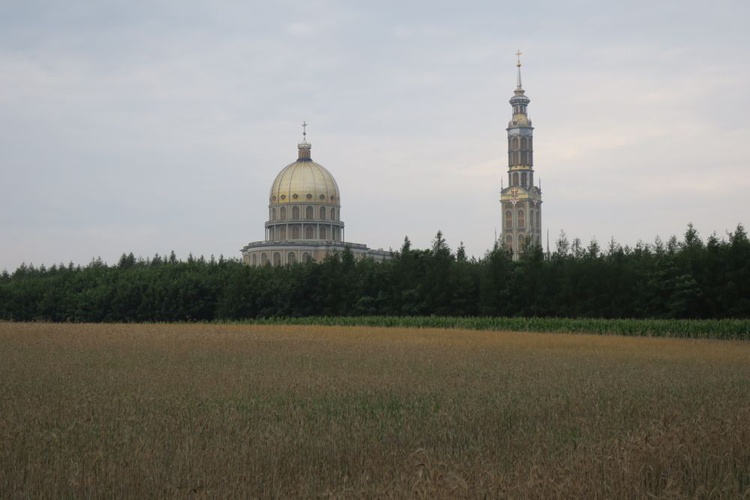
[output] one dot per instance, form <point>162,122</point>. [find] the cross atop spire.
<point>518,65</point>
<point>304,130</point>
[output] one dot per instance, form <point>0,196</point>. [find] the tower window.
<point>273,214</point>
<point>309,213</point>
<point>515,179</point>
<point>521,243</point>
<point>509,242</point>
<point>295,213</point>
<point>521,218</point>
<point>295,232</point>
<point>309,232</point>
<point>322,213</point>
<point>508,219</point>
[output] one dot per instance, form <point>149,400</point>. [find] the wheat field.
<point>303,411</point>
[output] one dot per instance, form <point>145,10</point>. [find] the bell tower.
<point>521,201</point>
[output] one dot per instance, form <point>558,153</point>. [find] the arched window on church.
<point>333,214</point>
<point>322,213</point>
<point>508,218</point>
<point>306,256</point>
<point>276,259</point>
<point>521,243</point>
<point>309,232</point>
<point>531,218</point>
<point>282,233</point>
<point>521,218</point>
<point>323,233</point>
<point>515,179</point>
<point>255,260</point>
<point>263,259</point>
<point>291,258</point>
<point>295,232</point>
<point>509,242</point>
<point>524,143</point>
<point>309,213</point>
<point>283,213</point>
<point>273,213</point>
<point>524,179</point>
<point>295,213</point>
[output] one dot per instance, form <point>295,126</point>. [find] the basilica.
<point>304,204</point>
<point>304,217</point>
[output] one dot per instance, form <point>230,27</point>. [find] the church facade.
<point>304,217</point>
<point>521,201</point>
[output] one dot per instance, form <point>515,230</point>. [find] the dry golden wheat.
<point>258,411</point>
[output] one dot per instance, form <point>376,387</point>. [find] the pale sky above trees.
<point>151,126</point>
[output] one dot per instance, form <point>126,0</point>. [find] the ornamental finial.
<point>304,146</point>
<point>518,65</point>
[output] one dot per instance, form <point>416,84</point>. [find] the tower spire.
<point>518,65</point>
<point>521,200</point>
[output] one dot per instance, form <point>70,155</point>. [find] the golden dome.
<point>304,181</point>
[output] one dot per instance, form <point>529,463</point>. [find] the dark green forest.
<point>687,279</point>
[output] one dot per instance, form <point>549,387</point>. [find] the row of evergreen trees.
<point>677,279</point>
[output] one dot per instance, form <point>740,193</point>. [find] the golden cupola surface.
<point>304,181</point>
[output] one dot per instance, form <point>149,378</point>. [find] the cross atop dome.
<point>304,146</point>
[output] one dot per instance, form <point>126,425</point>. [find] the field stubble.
<point>241,410</point>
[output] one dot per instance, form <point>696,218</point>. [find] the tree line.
<point>683,279</point>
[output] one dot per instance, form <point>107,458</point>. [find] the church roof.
<point>304,181</point>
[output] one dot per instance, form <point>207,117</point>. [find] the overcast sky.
<point>152,126</point>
